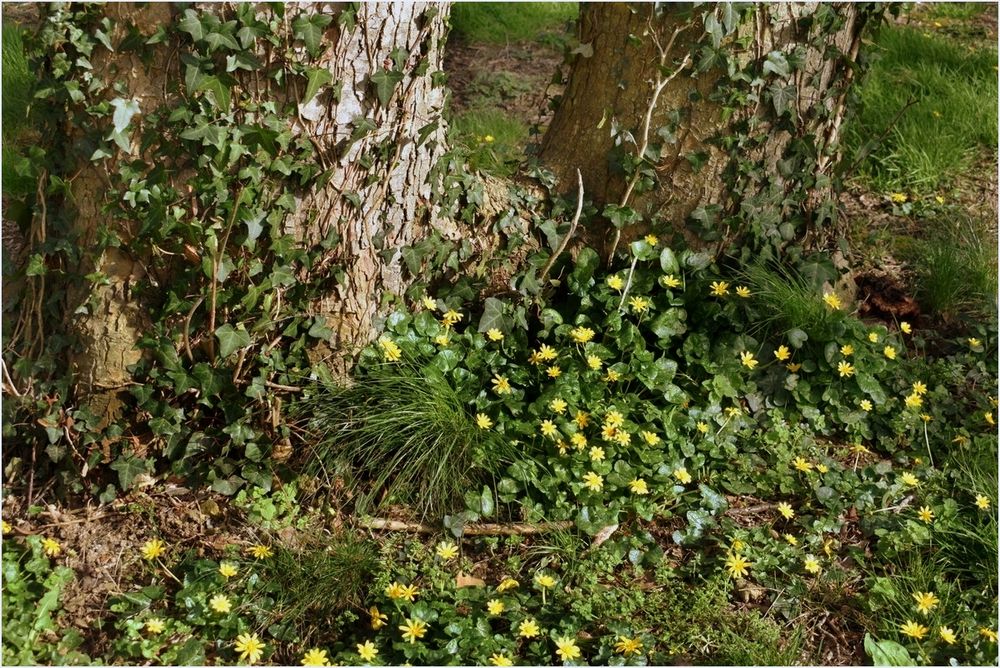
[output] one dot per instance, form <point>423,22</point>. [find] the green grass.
<point>953,118</point>
<point>17,85</point>
<point>788,300</point>
<point>403,436</point>
<point>502,22</point>
<point>474,127</point>
<point>962,11</point>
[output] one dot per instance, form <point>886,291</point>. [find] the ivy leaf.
<point>232,339</point>
<point>587,262</point>
<point>316,78</point>
<point>191,24</point>
<point>125,110</point>
<point>781,97</point>
<point>128,468</point>
<point>730,17</point>
<point>216,91</point>
<point>309,29</point>
<point>776,63</point>
<point>385,83</point>
<point>493,317</point>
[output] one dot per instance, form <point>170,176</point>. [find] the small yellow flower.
<point>782,353</point>
<point>594,362</point>
<point>547,353</point>
<point>447,550</point>
<point>582,419</point>
<point>743,291</point>
<point>528,628</point>
<point>702,427</point>
<point>974,342</point>
<point>151,549</point>
<point>428,303</point>
<point>670,281</point>
<point>401,591</point>
<point>905,328</point>
<point>889,352</point>
<point>413,629</point>
<point>488,139</point>
<point>926,601</point>
<point>926,514</point>
<point>494,334</point>
<point>651,239</point>
<point>545,581</point>
<point>612,376</point>
<point>913,401</point>
<point>501,385</point>
<point>51,547</point>
<point>639,486</point>
<point>452,317</point>
<point>865,405</point>
<point>581,334</point>
<point>220,603</point>
<point>483,421</point>
<point>938,198</point>
<point>628,646</point>
<point>228,569</point>
<point>250,647</point>
<point>947,635</point>
<point>260,552</point>
<point>873,337</point>
<point>919,388</point>
<point>549,428</point>
<point>613,418</point>
<point>822,468</point>
<point>615,282</point>
<point>898,198</point>
<point>649,437</point>
<point>578,440</point>
<point>909,479</point>
<point>317,657</point>
<point>746,358</point>
<point>597,454</point>
<point>378,619</point>
<point>554,371</point>
<point>913,630</point>
<point>811,564</point>
<point>507,583</point>
<point>557,406</point>
<point>738,545</point>
<point>566,649</point>
<point>791,540</point>
<point>682,475</point>
<point>367,651</point>
<point>500,659</point>
<point>639,304</point>
<point>845,369</point>
<point>925,417</point>
<point>155,625</point>
<point>794,367</point>
<point>988,416</point>
<point>786,510</point>
<point>801,464</point>
<point>737,566</point>
<point>847,350</point>
<point>988,633</point>
<point>719,288</point>
<point>7,528</point>
<point>593,482</point>
<point>832,300</point>
<point>982,502</point>
<point>495,606</point>
<point>390,350</point>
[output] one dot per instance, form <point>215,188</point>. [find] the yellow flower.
<point>938,198</point>
<point>947,635</point>
<point>578,440</point>
<point>791,540</point>
<point>845,369</point>
<point>743,291</point>
<point>582,419</point>
<point>801,464</point>
<point>811,564</point>
<point>909,479</point>
<point>614,419</point>
<point>898,198</point>
<point>786,510</point>
<point>719,288</point>
<point>317,657</point>
<point>401,591</point>
<point>367,651</point>
<point>528,628</point>
<point>227,569</point>
<point>494,334</point>
<point>913,401</point>
<point>250,647</point>
<point>452,317</point>
<point>913,630</point>
<point>488,139</point>
<point>847,350</point>
<point>442,339</point>
<point>557,406</point>
<point>639,304</point>
<point>547,353</point>
<point>649,437</point>
<point>627,646</point>
<point>639,486</point>
<point>447,550</point>
<point>545,581</point>
<point>593,482</point>
<point>501,385</point>
<point>988,633</point>
<point>220,603</point>
<point>982,502</point>
<point>594,362</point>
<point>155,625</point>
<point>782,353</point>
<point>566,649</point>
<point>612,376</point>
<point>500,659</point>
<point>428,303</point>
<point>507,583</point>
<point>554,371</point>
<point>889,352</point>
<point>974,342</point>
<point>413,629</point>
<point>832,300</point>
<point>794,367</point>
<point>596,454</point>
<point>988,416</point>
<point>651,239</point>
<point>549,428</point>
<point>51,548</point>
<point>615,282</point>
<point>682,475</point>
<point>483,421</point>
<point>926,514</point>
<point>390,350</point>
<point>737,566</point>
<point>822,468</point>
<point>925,417</point>
<point>495,606</point>
<point>7,528</point>
<point>738,545</point>
<point>905,328</point>
<point>919,388</point>
<point>581,334</point>
<point>378,619</point>
<point>152,549</point>
<point>873,337</point>
<point>260,552</point>
<point>702,427</point>
<point>746,358</point>
<point>623,438</point>
<point>670,281</point>
<point>865,405</point>
<point>926,601</point>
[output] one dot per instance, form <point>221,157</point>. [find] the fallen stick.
<point>484,529</point>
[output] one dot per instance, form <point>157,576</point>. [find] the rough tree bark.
<point>617,78</point>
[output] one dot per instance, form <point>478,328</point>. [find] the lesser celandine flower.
<point>889,352</point>
<point>155,625</point>
<point>811,564</point>
<point>627,646</point>
<point>549,428</point>
<point>719,288</point>
<point>501,385</point>
<point>832,300</point>
<point>452,317</point>
<point>905,328</point>
<point>909,479</point>
<point>260,552</point>
<point>553,371</point>
<point>801,464</point>
<point>639,304</point>
<point>413,630</point>
<point>593,482</point>
<point>615,282</point>
<point>390,350</point>
<point>557,406</point>
<point>845,369</point>
<point>220,603</point>
<point>791,540</point>
<point>316,657</point>
<point>988,633</point>
<point>670,281</point>
<point>400,591</point>
<point>982,502</point>
<point>151,549</point>
<point>702,427</point>
<point>873,337</point>
<point>378,619</point>
<point>367,650</point>
<point>500,659</point>
<point>447,550</point>
<point>581,334</point>
<point>507,583</point>
<point>926,514</point>
<point>913,630</point>
<point>947,635</point>
<point>913,401</point>
<point>594,362</point>
<point>786,510</point>
<point>483,421</point>
<point>682,475</point>
<point>737,566</point>
<point>747,359</point>
<point>597,454</point>
<point>250,647</point>
<point>566,649</point>
<point>847,350</point>
<point>651,239</point>
<point>228,569</point>
<point>926,601</point>
<point>649,437</point>
<point>639,486</point>
<point>494,334</point>
<point>428,303</point>
<point>743,291</point>
<point>495,606</point>
<point>7,528</point>
<point>782,353</point>
<point>578,440</point>
<point>528,628</point>
<point>51,547</point>
<point>865,405</point>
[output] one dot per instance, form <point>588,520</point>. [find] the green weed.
<point>500,22</point>
<point>494,138</point>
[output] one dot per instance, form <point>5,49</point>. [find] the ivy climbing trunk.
<point>707,120</point>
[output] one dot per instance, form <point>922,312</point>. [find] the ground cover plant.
<point>681,452</point>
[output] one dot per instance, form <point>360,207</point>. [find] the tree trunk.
<point>640,83</point>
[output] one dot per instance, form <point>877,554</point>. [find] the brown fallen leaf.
<point>462,580</point>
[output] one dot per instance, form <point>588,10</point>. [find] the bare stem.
<point>569,234</point>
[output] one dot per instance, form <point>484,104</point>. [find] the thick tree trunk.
<point>637,72</point>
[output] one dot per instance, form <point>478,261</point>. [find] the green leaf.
<point>797,338</point>
<point>128,468</point>
<point>385,83</point>
<point>216,91</point>
<point>782,97</point>
<point>232,339</point>
<point>886,652</point>
<point>587,262</point>
<point>125,110</point>
<point>486,502</point>
<point>668,262</point>
<point>493,316</point>
<point>670,323</point>
<point>309,29</point>
<point>316,78</point>
<point>191,24</point>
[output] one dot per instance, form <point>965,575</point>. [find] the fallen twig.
<point>569,234</point>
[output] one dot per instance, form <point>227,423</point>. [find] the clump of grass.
<point>501,22</point>
<point>788,300</point>
<point>402,435</point>
<point>494,138</point>
<point>17,87</point>
<point>952,119</point>
<point>968,545</point>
